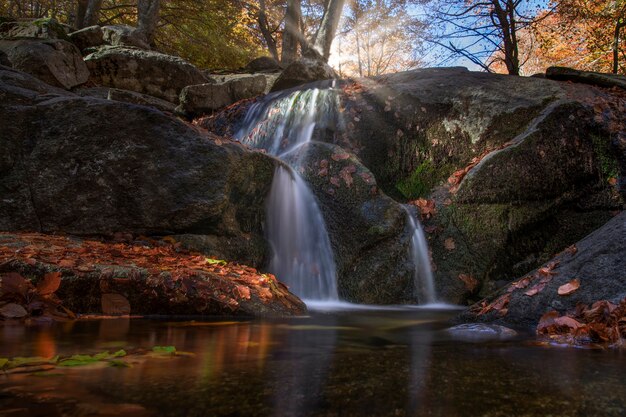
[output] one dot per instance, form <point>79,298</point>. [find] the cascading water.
<point>302,255</point>
<point>422,274</point>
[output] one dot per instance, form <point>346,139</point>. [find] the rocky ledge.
<point>65,276</point>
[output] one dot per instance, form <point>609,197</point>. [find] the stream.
<point>341,360</point>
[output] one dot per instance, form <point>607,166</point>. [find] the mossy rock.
<point>44,28</point>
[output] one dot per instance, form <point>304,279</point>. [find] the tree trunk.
<point>92,13</point>
<point>328,27</point>
<point>292,31</point>
<point>618,27</point>
<point>358,54</point>
<point>265,30</point>
<point>79,18</point>
<point>505,20</point>
<point>148,17</point>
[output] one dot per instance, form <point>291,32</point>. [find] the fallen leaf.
<point>340,156</point>
<point>13,311</point>
<point>50,283</point>
<point>13,283</point>
<point>470,282</point>
<point>449,244</point>
<point>242,292</point>
<point>569,288</point>
<point>115,304</point>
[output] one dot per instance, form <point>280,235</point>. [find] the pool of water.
<point>338,361</point>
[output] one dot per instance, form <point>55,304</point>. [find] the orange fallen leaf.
<point>50,283</point>
<point>13,282</point>
<point>470,282</point>
<point>449,244</point>
<point>569,288</point>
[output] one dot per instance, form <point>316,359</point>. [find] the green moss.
<point>421,181</point>
<point>607,162</point>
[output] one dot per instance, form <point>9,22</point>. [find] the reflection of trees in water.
<point>420,363</point>
<point>301,366</point>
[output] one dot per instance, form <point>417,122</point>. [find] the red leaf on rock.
<point>426,207</point>
<point>470,282</point>
<point>242,292</point>
<point>449,244</point>
<point>50,283</point>
<point>115,304</point>
<point>13,283</point>
<point>536,289</point>
<point>340,156</point>
<point>569,288</point>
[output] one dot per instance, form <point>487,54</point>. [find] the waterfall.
<point>302,256</point>
<point>422,273</point>
<point>301,253</point>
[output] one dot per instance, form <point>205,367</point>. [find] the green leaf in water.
<point>71,362</point>
<point>211,261</point>
<point>3,361</point>
<point>30,361</point>
<point>164,350</point>
<point>120,364</point>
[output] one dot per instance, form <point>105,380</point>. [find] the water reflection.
<point>351,362</point>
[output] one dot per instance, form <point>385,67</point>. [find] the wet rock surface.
<point>83,165</point>
<point>592,270</point>
<point>54,61</point>
<point>147,72</point>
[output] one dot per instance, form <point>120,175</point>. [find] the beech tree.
<point>148,17</point>
<point>476,29</point>
<point>328,27</point>
<point>87,13</point>
<point>377,37</point>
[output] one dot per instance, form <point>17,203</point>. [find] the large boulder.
<point>595,268</point>
<point>270,78</point>
<point>55,61</point>
<point>586,77</point>
<point>89,37</point>
<point>83,165</point>
<point>369,232</point>
<point>263,63</point>
<point>303,71</point>
<point>148,72</point>
<point>45,28</point>
<point>126,96</point>
<point>199,99</point>
<point>123,35</point>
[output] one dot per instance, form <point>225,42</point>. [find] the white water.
<point>302,256</point>
<point>423,274</point>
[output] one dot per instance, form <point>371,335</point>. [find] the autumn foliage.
<point>602,323</point>
<point>145,271</point>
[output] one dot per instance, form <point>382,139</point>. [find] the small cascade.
<point>423,274</point>
<point>302,255</point>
